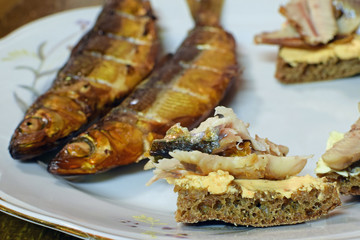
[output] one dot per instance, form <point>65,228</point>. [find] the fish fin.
<point>206,12</point>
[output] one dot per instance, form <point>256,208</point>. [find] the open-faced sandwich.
<point>221,172</point>
<point>318,41</point>
<point>341,161</point>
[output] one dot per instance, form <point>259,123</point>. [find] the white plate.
<point>117,204</point>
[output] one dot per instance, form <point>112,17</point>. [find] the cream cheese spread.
<point>337,50</point>
<point>221,182</point>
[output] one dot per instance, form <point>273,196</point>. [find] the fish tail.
<point>206,12</point>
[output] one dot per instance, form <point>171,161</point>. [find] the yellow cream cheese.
<point>285,187</point>
<point>322,167</point>
<point>215,182</point>
<point>221,182</point>
<point>343,51</point>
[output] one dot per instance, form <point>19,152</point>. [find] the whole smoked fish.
<point>106,64</point>
<point>184,89</point>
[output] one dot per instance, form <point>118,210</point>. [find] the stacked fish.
<point>113,61</point>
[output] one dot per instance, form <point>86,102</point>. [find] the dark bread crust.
<point>303,72</point>
<point>263,210</point>
<point>347,185</point>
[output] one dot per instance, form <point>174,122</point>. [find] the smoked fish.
<point>185,89</point>
<point>106,64</point>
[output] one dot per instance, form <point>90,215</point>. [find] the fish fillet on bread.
<point>318,40</point>
<point>341,161</point>
<point>221,172</point>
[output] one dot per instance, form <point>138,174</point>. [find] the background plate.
<point>117,204</point>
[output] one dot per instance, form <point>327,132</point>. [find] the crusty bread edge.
<point>303,72</point>
<point>196,205</point>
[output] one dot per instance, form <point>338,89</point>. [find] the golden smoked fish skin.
<point>184,89</point>
<point>106,64</point>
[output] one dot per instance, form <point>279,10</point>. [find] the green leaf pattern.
<point>42,55</point>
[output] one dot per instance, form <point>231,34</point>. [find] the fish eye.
<point>85,88</point>
<point>32,124</point>
<point>80,147</point>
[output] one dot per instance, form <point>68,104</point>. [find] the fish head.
<point>32,135</point>
<point>82,155</point>
<point>99,150</point>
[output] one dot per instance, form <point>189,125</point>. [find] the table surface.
<point>14,14</point>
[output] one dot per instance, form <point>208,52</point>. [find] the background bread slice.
<point>303,72</point>
<point>347,185</point>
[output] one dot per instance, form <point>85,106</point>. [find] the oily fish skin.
<point>106,64</point>
<point>184,89</point>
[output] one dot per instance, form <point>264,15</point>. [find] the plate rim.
<point>73,229</point>
<point>20,214</point>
